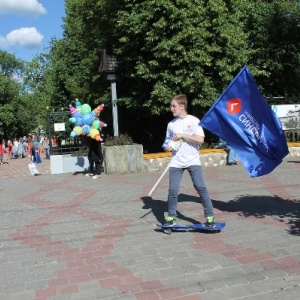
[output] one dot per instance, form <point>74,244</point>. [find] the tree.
<point>274,28</point>
<point>75,58</point>
<point>19,110</point>
<point>164,47</point>
<point>193,47</point>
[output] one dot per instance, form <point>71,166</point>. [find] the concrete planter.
<point>123,159</point>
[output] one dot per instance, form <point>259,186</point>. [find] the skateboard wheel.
<point>167,231</point>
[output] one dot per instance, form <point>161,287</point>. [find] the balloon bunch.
<point>86,121</point>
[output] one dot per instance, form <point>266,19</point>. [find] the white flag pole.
<point>159,179</point>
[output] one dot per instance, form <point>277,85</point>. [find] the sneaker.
<point>89,175</point>
<point>170,220</point>
<point>210,221</point>
<point>96,176</point>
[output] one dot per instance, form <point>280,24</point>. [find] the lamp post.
<point>1,132</point>
<point>49,130</point>
<point>109,66</point>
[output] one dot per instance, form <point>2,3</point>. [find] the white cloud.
<point>26,37</point>
<point>3,41</point>
<point>22,7</point>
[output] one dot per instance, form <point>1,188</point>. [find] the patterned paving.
<point>71,237</point>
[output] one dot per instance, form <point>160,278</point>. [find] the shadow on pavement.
<point>283,210</point>
<point>294,161</point>
<point>80,173</point>
<point>159,207</point>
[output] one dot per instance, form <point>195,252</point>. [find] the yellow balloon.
<point>94,132</point>
<point>77,129</point>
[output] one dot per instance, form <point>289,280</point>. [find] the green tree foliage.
<point>192,47</point>
<point>75,58</point>
<point>164,47</point>
<point>19,110</point>
<point>274,28</point>
<point>10,71</point>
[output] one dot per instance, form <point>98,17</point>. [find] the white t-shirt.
<point>188,153</point>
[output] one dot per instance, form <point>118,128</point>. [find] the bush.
<point>123,139</point>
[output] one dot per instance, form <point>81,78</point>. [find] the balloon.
<point>76,121</point>
<point>97,137</point>
<point>77,130</point>
<point>87,119</point>
<point>85,109</point>
<point>98,124</point>
<point>86,129</point>
<point>97,110</point>
<point>74,112</point>
<point>78,105</point>
<point>94,132</point>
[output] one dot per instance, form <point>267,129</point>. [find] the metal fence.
<point>58,132</point>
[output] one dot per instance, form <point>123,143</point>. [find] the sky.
<point>27,26</point>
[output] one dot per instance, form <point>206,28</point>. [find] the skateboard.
<point>168,229</point>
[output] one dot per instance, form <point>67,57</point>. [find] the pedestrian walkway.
<point>15,168</point>
<point>67,236</point>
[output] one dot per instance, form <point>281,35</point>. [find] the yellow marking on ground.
<point>202,151</point>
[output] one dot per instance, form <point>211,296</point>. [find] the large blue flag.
<point>242,117</point>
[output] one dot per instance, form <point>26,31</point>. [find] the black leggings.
<point>97,165</point>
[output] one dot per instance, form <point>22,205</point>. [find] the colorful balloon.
<point>85,109</point>
<point>86,121</point>
<point>98,124</point>
<point>77,130</point>
<point>86,129</point>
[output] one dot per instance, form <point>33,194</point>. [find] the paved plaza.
<point>71,237</point>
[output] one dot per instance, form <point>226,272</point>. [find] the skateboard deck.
<point>168,229</point>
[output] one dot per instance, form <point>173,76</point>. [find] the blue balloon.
<point>87,119</point>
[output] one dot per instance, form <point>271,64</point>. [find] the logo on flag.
<point>242,117</point>
<point>234,105</point>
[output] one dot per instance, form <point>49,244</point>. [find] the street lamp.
<point>1,132</point>
<point>49,129</point>
<point>109,66</point>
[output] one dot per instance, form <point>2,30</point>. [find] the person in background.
<point>15,148</point>
<point>36,144</point>
<point>31,149</point>
<point>20,148</point>
<point>2,151</point>
<point>4,146</point>
<point>9,149</point>
<point>95,157</point>
<point>46,148</point>
<point>231,157</point>
<point>186,136</point>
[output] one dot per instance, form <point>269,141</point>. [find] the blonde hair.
<point>181,99</point>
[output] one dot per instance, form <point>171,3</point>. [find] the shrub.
<point>123,139</point>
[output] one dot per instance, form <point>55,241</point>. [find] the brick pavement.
<point>71,237</point>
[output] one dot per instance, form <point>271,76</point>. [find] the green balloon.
<point>85,109</point>
<point>96,124</point>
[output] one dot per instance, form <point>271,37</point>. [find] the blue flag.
<point>242,117</point>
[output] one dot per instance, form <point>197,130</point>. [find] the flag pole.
<point>159,179</point>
